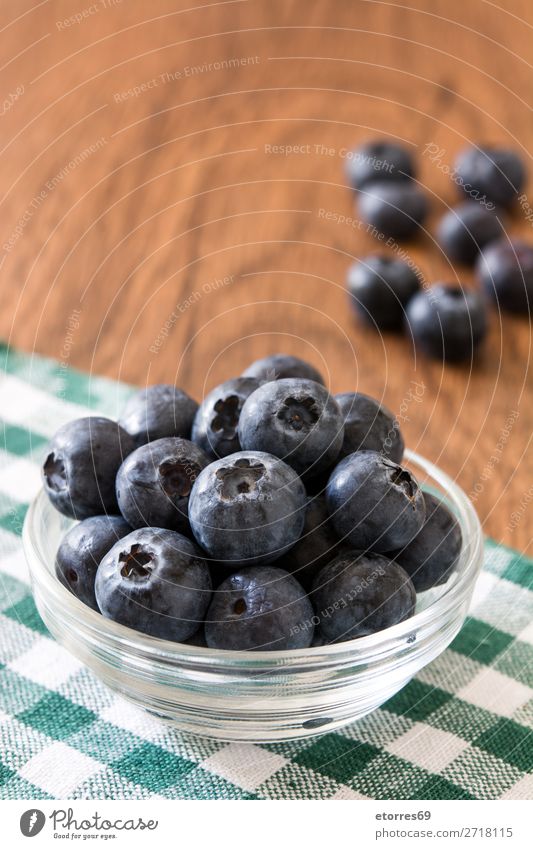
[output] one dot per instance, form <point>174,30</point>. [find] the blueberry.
<point>316,546</point>
<point>155,581</point>
<point>379,160</point>
<point>294,419</point>
<point>261,608</point>
<point>154,483</point>
<point>379,288</point>
<point>465,230</point>
<point>81,465</point>
<point>247,508</point>
<point>505,270</point>
<point>158,411</point>
<point>374,503</point>
<point>361,593</point>
<point>82,549</point>
<point>447,322</point>
<point>279,366</point>
<point>215,424</point>
<point>369,426</point>
<point>395,209</point>
<point>489,172</point>
<point>432,555</point>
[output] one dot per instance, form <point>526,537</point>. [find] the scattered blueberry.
<point>317,545</point>
<point>465,230</point>
<point>261,608</point>
<point>431,556</point>
<point>496,174</point>
<point>374,503</point>
<point>81,464</point>
<point>294,419</point>
<point>247,508</point>
<point>215,424</point>
<point>380,287</point>
<point>154,483</point>
<point>505,269</point>
<point>360,593</point>
<point>395,209</point>
<point>369,426</point>
<point>158,411</point>
<point>81,551</point>
<point>280,366</point>
<point>154,580</point>
<point>379,160</point>
<point>447,322</point>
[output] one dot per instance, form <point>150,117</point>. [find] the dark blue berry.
<point>431,556</point>
<point>374,503</point>
<point>81,464</point>
<point>280,366</point>
<point>361,593</point>
<point>447,322</point>
<point>317,545</point>
<point>396,210</point>
<point>154,483</point>
<point>505,270</point>
<point>294,419</point>
<point>158,411</point>
<point>465,230</point>
<point>379,288</point>
<point>369,426</point>
<point>491,173</point>
<point>261,608</point>
<point>247,508</point>
<point>81,551</point>
<point>155,581</point>
<point>215,424</point>
<point>379,160</point>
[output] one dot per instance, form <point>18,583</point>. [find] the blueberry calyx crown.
<point>134,562</point>
<point>55,473</point>
<point>227,418</point>
<point>177,477</point>
<point>299,413</point>
<point>240,478</point>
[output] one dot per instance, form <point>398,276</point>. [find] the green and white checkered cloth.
<point>461,729</point>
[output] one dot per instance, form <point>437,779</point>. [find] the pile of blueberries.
<point>271,516</point>
<point>445,320</point>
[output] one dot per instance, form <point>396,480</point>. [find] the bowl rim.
<point>371,645</point>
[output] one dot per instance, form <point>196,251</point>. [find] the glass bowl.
<point>257,696</point>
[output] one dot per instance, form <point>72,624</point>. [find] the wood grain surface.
<point>167,168</point>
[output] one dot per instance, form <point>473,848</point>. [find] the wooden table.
<point>167,170</point>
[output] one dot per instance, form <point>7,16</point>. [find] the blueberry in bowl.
<point>155,481</point>
<point>158,411</point>
<point>379,289</point>
<point>294,419</point>
<point>215,425</point>
<point>281,366</point>
<point>369,426</point>
<point>247,508</point>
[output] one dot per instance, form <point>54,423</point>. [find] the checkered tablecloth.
<point>461,729</point>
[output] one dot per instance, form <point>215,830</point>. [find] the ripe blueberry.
<point>395,209</point>
<point>490,172</point>
<point>280,366</point>
<point>215,424</point>
<point>261,608</point>
<point>81,551</point>
<point>379,160</point>
<point>294,419</point>
<point>369,426</point>
<point>505,270</point>
<point>81,464</point>
<point>155,581</point>
<point>317,545</point>
<point>158,411</point>
<point>465,230</point>
<point>380,287</point>
<point>360,593</point>
<point>374,503</point>
<point>154,483</point>
<point>447,322</point>
<point>247,508</point>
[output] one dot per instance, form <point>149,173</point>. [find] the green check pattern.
<point>461,730</point>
